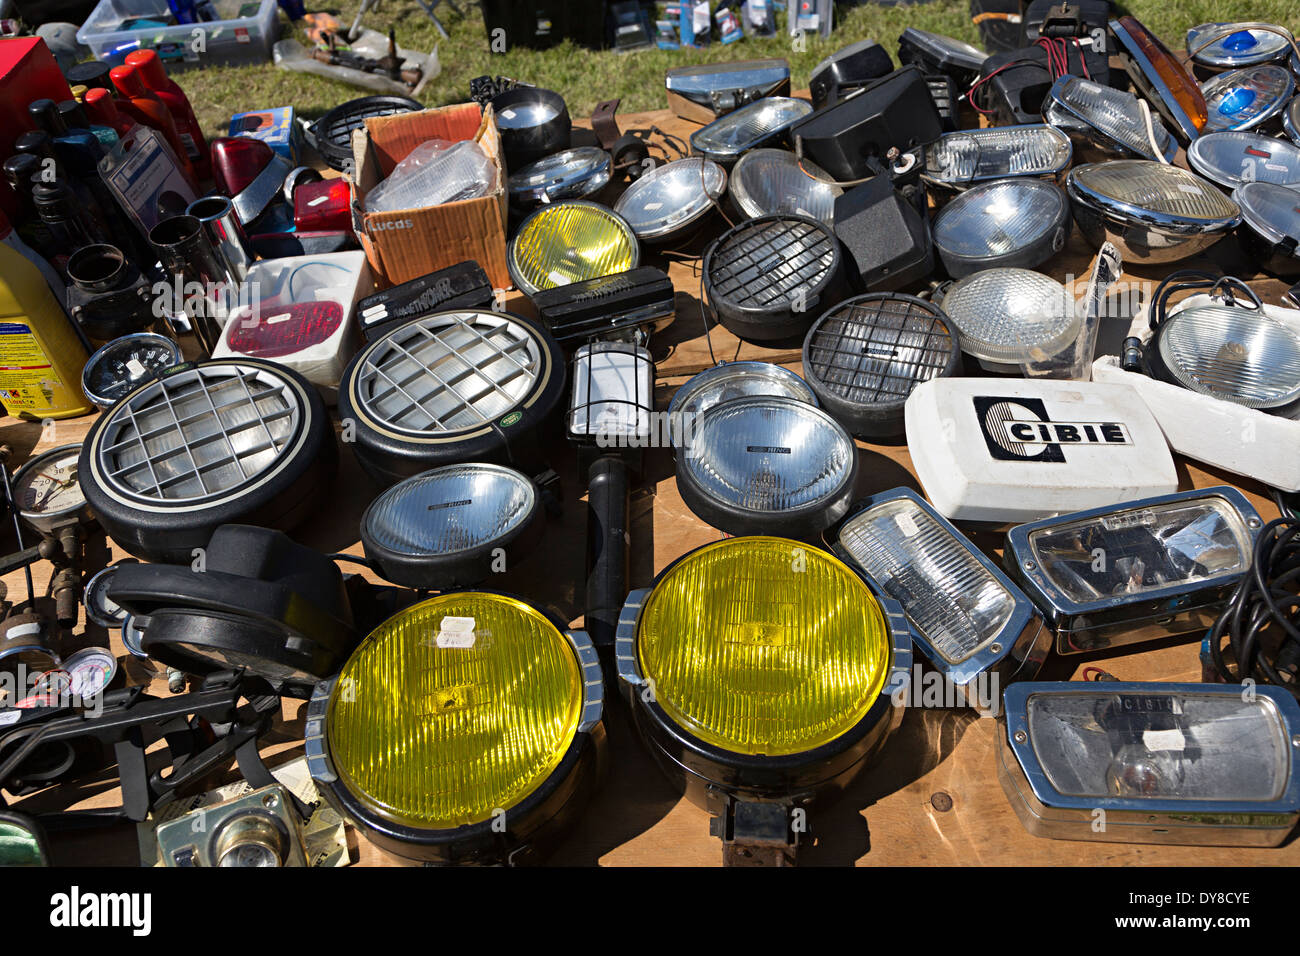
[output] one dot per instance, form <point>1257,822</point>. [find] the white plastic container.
<point>245,34</point>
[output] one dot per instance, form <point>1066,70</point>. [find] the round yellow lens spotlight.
<point>459,712</point>
<point>571,242</point>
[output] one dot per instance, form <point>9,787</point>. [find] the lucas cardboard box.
<point>406,244</point>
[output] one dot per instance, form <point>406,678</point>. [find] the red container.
<point>325,206</point>
<point>28,72</point>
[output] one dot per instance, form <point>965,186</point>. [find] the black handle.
<point>607,547</point>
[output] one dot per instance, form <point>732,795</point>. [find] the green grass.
<point>585,77</point>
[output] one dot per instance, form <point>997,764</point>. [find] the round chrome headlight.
<point>768,182</point>
<point>1150,211</point>
<point>1231,158</point>
<point>758,124</point>
<point>864,357</point>
<point>1270,226</point>
<point>665,201</point>
<point>1009,222</point>
<point>1007,317</point>
<point>768,465</point>
<point>1243,99</point>
<point>572,174</point>
<point>1238,355</point>
<point>570,242</point>
<point>732,380</point>
<point>1241,46</point>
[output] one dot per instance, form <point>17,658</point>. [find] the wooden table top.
<point>888,817</point>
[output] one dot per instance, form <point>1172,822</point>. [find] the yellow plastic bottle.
<point>41,356</point>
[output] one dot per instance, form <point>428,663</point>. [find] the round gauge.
<point>133,633</point>
<point>100,608</point>
<point>118,367</point>
<point>91,670</point>
<point>52,683</point>
<point>48,492</point>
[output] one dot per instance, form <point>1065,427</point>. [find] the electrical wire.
<point>1261,620</point>
<point>1156,151</point>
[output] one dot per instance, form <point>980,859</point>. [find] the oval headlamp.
<point>1008,317</point>
<point>769,182</point>
<point>1183,764</point>
<point>757,124</point>
<point>1231,158</point>
<point>1160,77</point>
<point>1008,222</point>
<point>864,357</point>
<point>570,242</point>
<point>466,728</point>
<point>1151,212</point>
<point>761,673</point>
<point>1270,226</point>
<point>1140,571</point>
<point>974,155</point>
<point>1106,118</point>
<point>669,199</point>
<point>1236,45</point>
<point>572,174</point>
<point>1244,99</point>
<point>767,465</point>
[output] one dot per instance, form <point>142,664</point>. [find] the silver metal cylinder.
<point>224,230</point>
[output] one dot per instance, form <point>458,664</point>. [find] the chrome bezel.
<point>1052,174</point>
<point>103,402</point>
<point>794,111</point>
<point>718,88</point>
<point>1264,229</point>
<point>1218,175</point>
<point>1046,812</point>
<point>572,174</point>
<point>1291,120</point>
<point>700,380</point>
<point>1015,653</point>
<point>1095,133</point>
<point>49,520</point>
<point>1200,33</point>
<point>683,217</point>
<point>1184,122</point>
<point>1224,79</point>
<point>1150,614</point>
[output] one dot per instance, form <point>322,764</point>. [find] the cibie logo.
<point>1019,429</point>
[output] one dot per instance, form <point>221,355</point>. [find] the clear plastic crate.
<point>244,33</point>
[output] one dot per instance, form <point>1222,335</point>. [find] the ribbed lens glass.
<point>999,218</point>
<point>1272,211</point>
<point>1245,98</point>
<point>954,601</point>
<point>1156,187</point>
<point>1012,316</point>
<point>748,126</point>
<point>725,383</point>
<point>569,242</point>
<point>454,709</point>
<point>766,182</point>
<point>973,155</point>
<point>763,646</point>
<point>1238,355</point>
<point>451,509</point>
<point>1231,158</point>
<point>1212,746</point>
<point>670,197</point>
<point>1115,114</point>
<point>768,454</point>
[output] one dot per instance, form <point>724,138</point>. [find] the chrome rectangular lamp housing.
<point>705,91</point>
<point>1180,764</point>
<point>1140,571</point>
<point>950,585</point>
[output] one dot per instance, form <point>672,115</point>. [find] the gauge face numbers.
<point>47,486</point>
<point>90,671</point>
<point>121,369</point>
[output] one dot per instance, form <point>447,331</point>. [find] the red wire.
<point>1082,59</point>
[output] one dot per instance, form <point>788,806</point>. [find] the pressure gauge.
<point>100,608</point>
<point>47,490</point>
<point>91,670</point>
<point>118,367</point>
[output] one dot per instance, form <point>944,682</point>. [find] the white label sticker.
<point>653,206</point>
<point>1189,189</point>
<point>318,200</point>
<point>907,525</point>
<point>456,632</point>
<point>9,717</point>
<point>508,114</point>
<point>282,317</point>
<point>559,278</point>
<point>1156,740</point>
<point>134,366</point>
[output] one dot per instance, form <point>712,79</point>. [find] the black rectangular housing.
<point>887,239</point>
<point>462,286</point>
<point>576,312</point>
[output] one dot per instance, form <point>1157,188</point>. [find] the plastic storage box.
<point>244,34</point>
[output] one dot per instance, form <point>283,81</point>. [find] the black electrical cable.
<point>1262,617</point>
<point>1288,503</point>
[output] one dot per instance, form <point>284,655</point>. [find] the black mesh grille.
<point>877,348</point>
<point>333,131</point>
<point>769,263</point>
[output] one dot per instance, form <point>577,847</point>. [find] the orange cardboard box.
<point>410,243</point>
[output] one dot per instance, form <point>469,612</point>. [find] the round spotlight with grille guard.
<point>447,527</point>
<point>769,182</point>
<point>465,729</point>
<point>777,674</point>
<point>570,242</point>
<point>864,357</point>
<point>1247,98</point>
<point>668,200</point>
<point>1270,226</point>
<point>209,443</point>
<point>758,124</point>
<point>768,465</point>
<point>1231,157</point>
<point>572,174</point>
<point>1008,222</point>
<point>1007,317</point>
<point>1237,45</point>
<point>450,388</point>
<point>767,278</point>
<point>1234,354</point>
<point>732,380</point>
<point>1151,212</point>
